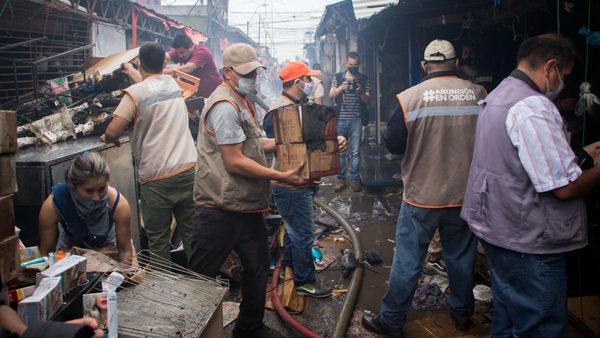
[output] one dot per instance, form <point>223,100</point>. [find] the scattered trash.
<point>440,281</point>
<point>429,297</point>
<point>339,240</point>
<point>348,262</point>
<point>317,255</point>
<point>391,241</point>
<point>231,310</point>
<point>373,257</point>
<point>482,293</point>
<point>338,292</point>
<point>326,220</point>
<point>357,230</point>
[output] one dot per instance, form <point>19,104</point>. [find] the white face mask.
<point>554,94</point>
<point>308,87</point>
<point>245,86</point>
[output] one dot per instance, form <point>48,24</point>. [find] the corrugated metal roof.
<point>363,9</point>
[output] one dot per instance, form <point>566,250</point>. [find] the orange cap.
<point>295,70</point>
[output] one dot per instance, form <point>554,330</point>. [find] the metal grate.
<point>27,20</point>
<point>162,299</point>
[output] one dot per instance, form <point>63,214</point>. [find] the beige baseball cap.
<point>241,57</point>
<point>439,50</point>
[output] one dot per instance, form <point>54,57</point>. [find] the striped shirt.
<point>537,130</point>
<point>350,108</point>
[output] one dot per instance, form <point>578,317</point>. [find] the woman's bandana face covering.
<point>95,216</point>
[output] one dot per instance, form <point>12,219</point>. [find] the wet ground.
<point>372,213</point>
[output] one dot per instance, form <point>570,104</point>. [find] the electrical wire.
<point>558,16</point>
<point>9,4</point>
<point>587,61</point>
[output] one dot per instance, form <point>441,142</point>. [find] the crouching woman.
<point>92,214</point>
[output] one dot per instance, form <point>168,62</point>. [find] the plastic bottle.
<point>317,255</point>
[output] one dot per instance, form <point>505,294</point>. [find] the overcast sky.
<point>283,23</point>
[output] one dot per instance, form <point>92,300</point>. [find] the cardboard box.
<point>8,132</point>
<point>102,306</point>
<point>30,253</point>
<point>17,295</point>
<point>288,123</point>
<point>72,270</point>
<point>318,163</point>
<point>7,217</point>
<point>8,175</point>
<point>10,262</point>
<point>43,304</point>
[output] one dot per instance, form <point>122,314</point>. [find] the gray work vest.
<point>214,186</point>
<point>161,141</point>
<point>501,205</point>
<point>441,116</point>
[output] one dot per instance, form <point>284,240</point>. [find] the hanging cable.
<point>558,17</point>
<point>587,61</point>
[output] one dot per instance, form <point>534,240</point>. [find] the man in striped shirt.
<point>352,93</point>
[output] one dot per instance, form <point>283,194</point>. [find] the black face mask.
<point>353,69</point>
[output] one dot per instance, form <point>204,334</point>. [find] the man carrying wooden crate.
<point>295,203</point>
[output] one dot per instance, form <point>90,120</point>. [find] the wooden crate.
<point>7,217</point>
<point>10,260</point>
<point>289,126</point>
<point>8,175</point>
<point>188,83</point>
<point>8,132</point>
<point>317,164</point>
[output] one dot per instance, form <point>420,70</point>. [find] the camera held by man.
<point>352,86</point>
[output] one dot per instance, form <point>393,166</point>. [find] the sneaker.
<point>316,289</point>
<point>263,332</point>
<point>355,185</point>
<point>339,185</point>
<point>435,267</point>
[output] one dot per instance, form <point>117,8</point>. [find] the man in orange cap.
<point>294,203</point>
<point>297,83</point>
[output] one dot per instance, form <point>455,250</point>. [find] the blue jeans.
<point>352,131</point>
<point>530,293</point>
<point>296,208</point>
<point>414,230</point>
